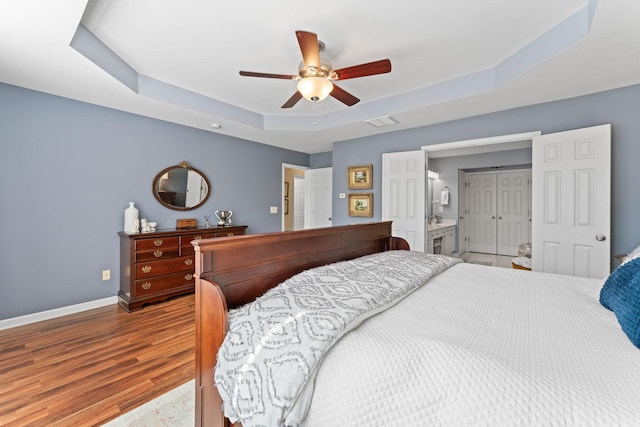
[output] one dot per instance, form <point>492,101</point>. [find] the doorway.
<point>404,195</point>
<point>558,244</point>
<point>292,201</point>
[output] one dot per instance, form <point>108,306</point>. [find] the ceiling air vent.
<point>382,121</point>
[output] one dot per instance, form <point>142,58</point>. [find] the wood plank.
<point>91,367</point>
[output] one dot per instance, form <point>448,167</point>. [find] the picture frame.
<point>361,204</point>
<point>286,189</point>
<point>360,177</point>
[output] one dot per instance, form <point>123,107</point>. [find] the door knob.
<point>601,237</point>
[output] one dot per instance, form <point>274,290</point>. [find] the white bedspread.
<point>275,345</point>
<point>484,346</point>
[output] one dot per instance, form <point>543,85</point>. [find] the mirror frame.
<point>185,165</point>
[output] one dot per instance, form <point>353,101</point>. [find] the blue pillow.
<point>621,294</point>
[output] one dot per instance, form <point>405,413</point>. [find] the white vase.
<point>131,222</point>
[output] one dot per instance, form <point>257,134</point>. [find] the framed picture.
<point>360,177</point>
<point>361,204</point>
<point>286,189</point>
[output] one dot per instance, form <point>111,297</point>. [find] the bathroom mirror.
<point>181,187</point>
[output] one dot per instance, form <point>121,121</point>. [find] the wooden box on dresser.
<point>159,265</point>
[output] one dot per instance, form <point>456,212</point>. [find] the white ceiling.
<point>450,59</point>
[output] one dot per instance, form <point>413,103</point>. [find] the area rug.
<point>175,408</point>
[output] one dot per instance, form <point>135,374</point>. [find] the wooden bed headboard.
<point>232,271</point>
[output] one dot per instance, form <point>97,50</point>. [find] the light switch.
<point>342,195</point>
<point>273,210</point>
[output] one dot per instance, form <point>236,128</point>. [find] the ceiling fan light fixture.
<point>315,89</point>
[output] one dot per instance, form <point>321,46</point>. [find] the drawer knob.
<point>188,276</point>
<point>157,253</point>
<point>198,237</point>
<point>229,234</point>
<point>188,261</point>
<point>146,285</point>
<point>157,242</point>
<point>146,269</point>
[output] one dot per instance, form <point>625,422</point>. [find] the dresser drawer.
<point>158,268</point>
<point>186,248</point>
<point>215,232</point>
<point>163,283</point>
<point>229,233</point>
<point>157,254</point>
<point>186,240</point>
<point>157,243</point>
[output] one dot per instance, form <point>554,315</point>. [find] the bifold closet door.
<point>513,211</point>
<point>499,218</point>
<point>482,213</point>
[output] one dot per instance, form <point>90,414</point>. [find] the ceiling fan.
<point>315,75</point>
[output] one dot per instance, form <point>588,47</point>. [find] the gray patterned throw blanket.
<point>274,346</point>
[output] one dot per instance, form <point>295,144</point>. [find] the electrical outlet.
<point>106,274</point>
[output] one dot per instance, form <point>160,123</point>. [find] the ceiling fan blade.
<point>309,47</point>
<point>268,75</point>
<point>343,96</point>
<point>293,100</point>
<point>362,70</point>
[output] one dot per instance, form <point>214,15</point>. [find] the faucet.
<point>435,219</point>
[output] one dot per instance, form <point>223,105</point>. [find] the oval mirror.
<point>181,187</point>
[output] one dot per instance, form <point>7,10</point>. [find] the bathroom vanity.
<point>441,237</point>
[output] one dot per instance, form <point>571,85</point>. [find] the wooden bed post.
<point>211,327</point>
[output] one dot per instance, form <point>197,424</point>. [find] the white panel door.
<point>298,202</point>
<point>513,211</point>
<point>403,196</point>
<point>463,212</point>
<point>482,213</point>
<point>571,202</point>
<point>318,197</point>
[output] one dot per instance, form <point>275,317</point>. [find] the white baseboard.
<point>58,312</point>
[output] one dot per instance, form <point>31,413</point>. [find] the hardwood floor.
<point>88,368</point>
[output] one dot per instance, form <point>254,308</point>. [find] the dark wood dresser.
<point>159,265</point>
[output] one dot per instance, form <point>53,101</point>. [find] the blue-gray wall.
<point>67,172</point>
<point>620,107</point>
<point>68,169</point>
<point>321,160</point>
